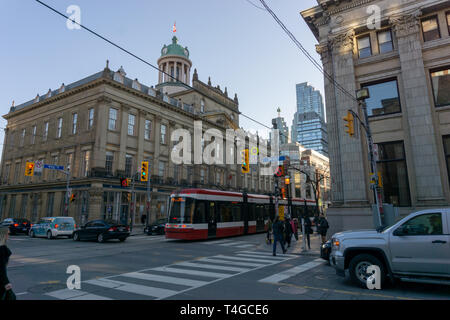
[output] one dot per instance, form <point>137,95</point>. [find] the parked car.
<point>156,227</point>
<point>17,225</point>
<point>325,250</point>
<point>415,249</point>
<point>101,231</point>
<point>53,227</point>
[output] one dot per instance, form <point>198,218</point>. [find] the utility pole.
<point>148,195</point>
<point>361,96</point>
<point>133,202</point>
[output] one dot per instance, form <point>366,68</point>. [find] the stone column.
<point>101,132</point>
<point>95,201</point>
<point>418,111</point>
<point>123,136</point>
<point>347,154</point>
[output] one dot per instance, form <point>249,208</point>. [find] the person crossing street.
<point>278,235</point>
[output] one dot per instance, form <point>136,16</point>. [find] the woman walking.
<point>6,292</point>
<point>308,230</point>
<point>287,231</point>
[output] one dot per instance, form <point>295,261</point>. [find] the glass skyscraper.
<point>309,127</point>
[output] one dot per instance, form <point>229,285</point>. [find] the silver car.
<point>415,249</point>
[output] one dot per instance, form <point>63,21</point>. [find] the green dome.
<point>175,49</point>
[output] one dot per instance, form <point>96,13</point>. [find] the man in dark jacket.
<point>308,230</point>
<point>277,235</point>
<point>287,231</point>
<point>323,228</point>
<point>5,253</point>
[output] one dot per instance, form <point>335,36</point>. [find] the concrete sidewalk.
<point>297,246</point>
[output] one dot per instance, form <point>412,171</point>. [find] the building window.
<point>394,173</point>
<point>430,29</point>
<point>6,173</point>
<point>74,123</point>
<point>448,22</point>
<point>59,129</point>
<point>447,153</point>
<point>163,134</point>
<point>33,134</point>
<point>161,169</point>
<point>128,165</point>
<point>148,129</point>
<point>202,106</point>
<point>112,119</point>
<point>109,162</point>
<point>50,201</point>
<point>86,163</point>
<point>384,98</point>
<point>69,162</point>
<point>385,43</point>
<point>12,207</point>
<point>45,135</point>
<point>22,138</point>
<point>91,118</point>
<point>131,124</point>
<point>54,162</point>
<point>16,171</point>
<point>441,87</point>
<point>364,47</point>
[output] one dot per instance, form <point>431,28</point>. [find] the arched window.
<point>202,106</point>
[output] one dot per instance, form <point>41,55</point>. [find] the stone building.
<point>103,126</point>
<point>400,50</point>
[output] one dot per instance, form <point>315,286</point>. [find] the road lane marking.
<point>193,272</point>
<point>231,243</point>
<point>216,242</point>
<point>245,259</point>
<point>166,279</point>
<point>211,266</point>
<point>246,246</point>
<point>134,288</point>
<point>258,256</point>
<point>234,263</point>
<point>270,254</point>
<point>90,296</point>
<point>66,294</point>
<point>276,278</point>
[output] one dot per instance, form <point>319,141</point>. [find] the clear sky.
<point>238,45</point>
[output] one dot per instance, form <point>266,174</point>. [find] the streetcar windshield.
<point>180,210</point>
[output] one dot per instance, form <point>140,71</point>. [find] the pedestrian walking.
<point>323,228</point>
<point>308,230</point>
<point>294,224</point>
<point>287,231</point>
<point>269,231</point>
<point>144,218</point>
<point>6,292</point>
<point>316,222</point>
<point>277,235</point>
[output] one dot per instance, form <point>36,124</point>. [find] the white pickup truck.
<point>415,249</point>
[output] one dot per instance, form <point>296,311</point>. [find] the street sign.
<point>38,166</point>
<point>273,159</point>
<point>53,167</point>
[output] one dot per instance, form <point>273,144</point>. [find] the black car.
<point>17,225</point>
<point>101,231</point>
<point>325,250</point>
<point>156,227</point>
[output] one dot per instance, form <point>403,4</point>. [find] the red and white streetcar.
<point>203,214</point>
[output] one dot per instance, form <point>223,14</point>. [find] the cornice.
<point>406,24</point>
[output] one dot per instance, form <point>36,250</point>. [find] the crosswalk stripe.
<point>193,272</point>
<point>166,279</point>
<point>211,266</point>
<point>274,258</point>
<point>292,272</point>
<point>270,253</point>
<point>234,263</point>
<point>65,294</point>
<point>231,243</point>
<point>216,242</point>
<point>246,259</point>
<point>133,288</point>
<point>246,246</point>
<point>90,296</point>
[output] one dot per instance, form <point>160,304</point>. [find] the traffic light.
<point>29,169</point>
<point>245,161</point>
<point>124,182</point>
<point>144,171</point>
<point>72,197</point>
<point>129,197</point>
<point>350,125</point>
<point>283,193</point>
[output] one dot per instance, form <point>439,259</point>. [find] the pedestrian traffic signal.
<point>144,171</point>
<point>124,182</point>
<point>245,161</point>
<point>350,125</point>
<point>29,169</point>
<point>280,172</point>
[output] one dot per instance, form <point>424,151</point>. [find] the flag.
<point>174,29</point>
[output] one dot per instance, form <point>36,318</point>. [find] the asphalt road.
<point>151,267</point>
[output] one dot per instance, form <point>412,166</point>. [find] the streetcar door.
<point>212,220</point>
<point>259,218</point>
<point>245,209</point>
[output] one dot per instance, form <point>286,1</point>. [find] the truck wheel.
<point>49,235</point>
<point>358,269</point>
